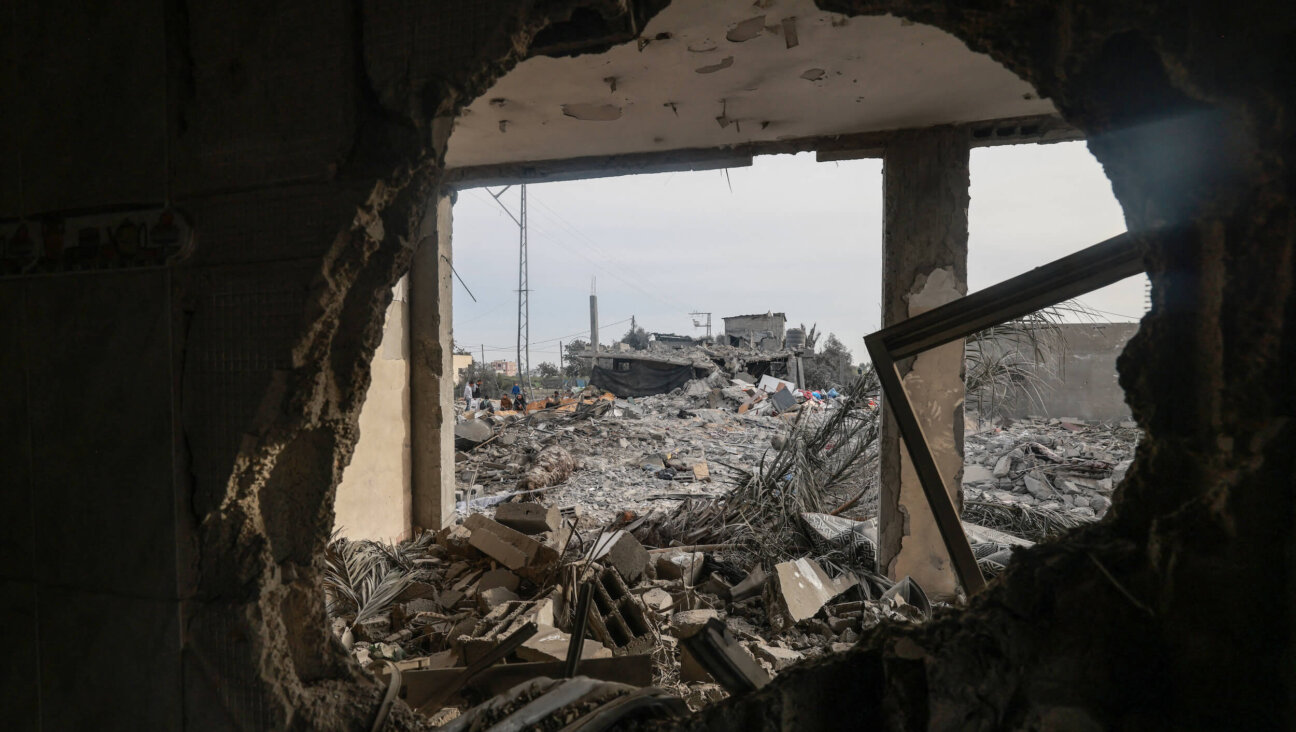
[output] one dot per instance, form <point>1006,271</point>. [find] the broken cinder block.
<point>509,547</point>
<point>529,518</point>
<point>679,565</point>
<point>616,616</point>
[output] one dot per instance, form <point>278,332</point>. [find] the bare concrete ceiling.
<point>719,72</point>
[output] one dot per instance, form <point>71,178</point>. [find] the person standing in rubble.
<point>468,395</point>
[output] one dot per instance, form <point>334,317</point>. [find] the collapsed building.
<point>207,207</point>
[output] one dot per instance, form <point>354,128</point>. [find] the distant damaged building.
<point>764,332</point>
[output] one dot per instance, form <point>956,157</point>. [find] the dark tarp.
<point>644,378</point>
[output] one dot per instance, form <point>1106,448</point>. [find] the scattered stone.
<point>1099,504</point>
<point>1002,467</point>
<point>529,518</point>
<point>621,551</point>
<point>498,578</point>
<point>488,600</point>
<point>658,600</point>
<point>777,658</point>
<point>550,644</point>
<point>798,589</point>
<point>683,566</point>
<point>688,622</point>
<point>511,548</point>
<point>1037,485</point>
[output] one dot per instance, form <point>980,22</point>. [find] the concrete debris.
<point>633,499</point>
<point>686,623</point>
<point>1044,476</point>
<point>680,565</point>
<point>622,552</point>
<point>488,600</point>
<point>551,644</point>
<point>658,600</point>
<point>778,658</point>
<point>529,518</point>
<point>471,433</point>
<point>798,589</point>
<point>498,578</point>
<point>511,548</point>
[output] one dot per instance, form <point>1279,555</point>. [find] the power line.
<point>555,239</point>
<point>562,337</point>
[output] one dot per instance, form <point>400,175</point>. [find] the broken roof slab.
<point>724,73</point>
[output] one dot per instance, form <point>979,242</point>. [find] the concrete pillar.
<point>924,265</point>
<point>432,374</point>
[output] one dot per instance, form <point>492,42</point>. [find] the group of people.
<point>473,399</point>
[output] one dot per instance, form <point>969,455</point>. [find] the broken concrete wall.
<point>298,137</point>
<point>1077,377</point>
<point>1189,115</point>
<point>374,499</point>
<point>199,415</point>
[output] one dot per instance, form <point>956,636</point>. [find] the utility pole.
<point>561,374</point>
<point>594,344</point>
<point>524,302</point>
<point>703,324</point>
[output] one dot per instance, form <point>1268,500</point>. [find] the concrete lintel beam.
<point>1011,131</point>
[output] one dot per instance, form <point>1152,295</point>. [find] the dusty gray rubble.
<point>720,539</point>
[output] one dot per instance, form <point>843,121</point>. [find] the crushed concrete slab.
<point>550,644</point>
<point>498,578</point>
<point>488,600</point>
<point>621,551</point>
<point>529,518</point>
<point>511,548</point>
<point>680,565</point>
<point>472,433</point>
<point>778,658</point>
<point>685,623</point>
<point>798,589</point>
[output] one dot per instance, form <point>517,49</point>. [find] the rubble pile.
<point>689,546</point>
<point>629,454</point>
<point>1038,477</point>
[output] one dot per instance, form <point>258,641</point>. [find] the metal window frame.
<point>1085,271</point>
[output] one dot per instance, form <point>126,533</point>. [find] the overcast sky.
<point>786,234</point>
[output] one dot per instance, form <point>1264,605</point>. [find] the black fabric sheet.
<point>644,378</point>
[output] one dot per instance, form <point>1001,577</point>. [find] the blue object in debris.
<point>832,394</point>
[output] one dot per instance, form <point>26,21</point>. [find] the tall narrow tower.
<point>524,302</point>
<point>594,317</point>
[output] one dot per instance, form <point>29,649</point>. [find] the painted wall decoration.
<point>123,240</point>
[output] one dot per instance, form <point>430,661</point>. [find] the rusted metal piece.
<point>578,630</point>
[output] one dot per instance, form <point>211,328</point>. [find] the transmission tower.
<point>524,302</point>
<point>698,323</point>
